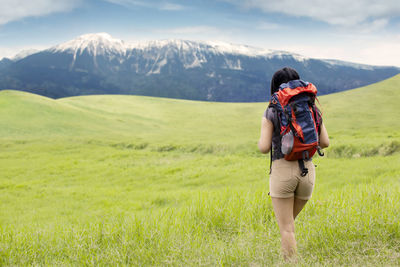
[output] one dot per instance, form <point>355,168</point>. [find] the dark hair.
<point>283,75</point>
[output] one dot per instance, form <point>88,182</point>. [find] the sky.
<point>361,31</point>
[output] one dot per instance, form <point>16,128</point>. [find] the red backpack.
<point>299,121</point>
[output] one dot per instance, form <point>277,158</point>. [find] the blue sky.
<point>364,31</point>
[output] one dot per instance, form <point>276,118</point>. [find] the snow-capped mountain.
<point>191,54</point>
<point>101,64</point>
<point>105,44</point>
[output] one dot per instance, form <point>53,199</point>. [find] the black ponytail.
<point>283,76</point>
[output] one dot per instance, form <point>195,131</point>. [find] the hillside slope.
<point>361,113</point>
<point>364,115</point>
<point>142,181</point>
<point>29,116</point>
<point>139,119</point>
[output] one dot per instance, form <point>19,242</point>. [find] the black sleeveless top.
<point>272,115</point>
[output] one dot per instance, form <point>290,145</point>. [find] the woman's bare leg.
<point>283,208</point>
<point>298,205</point>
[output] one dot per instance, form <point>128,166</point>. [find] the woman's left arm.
<point>323,137</point>
<point>267,128</point>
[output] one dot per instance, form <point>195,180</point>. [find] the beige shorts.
<point>285,180</point>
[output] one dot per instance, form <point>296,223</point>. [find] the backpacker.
<point>299,121</point>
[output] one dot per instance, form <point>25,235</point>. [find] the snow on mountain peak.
<point>95,36</point>
<point>217,47</point>
<point>224,47</point>
<point>94,43</point>
<point>104,44</point>
<point>192,54</point>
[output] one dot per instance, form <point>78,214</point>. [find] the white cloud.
<point>376,25</point>
<point>11,10</point>
<point>371,51</point>
<point>199,33</point>
<point>193,33</point>
<point>335,12</point>
<point>383,53</point>
<point>191,30</point>
<point>148,4</point>
<point>268,26</point>
<point>171,6</point>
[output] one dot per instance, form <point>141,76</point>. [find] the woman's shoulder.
<point>270,114</point>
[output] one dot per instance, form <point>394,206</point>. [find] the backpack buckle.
<point>303,169</point>
<point>320,152</point>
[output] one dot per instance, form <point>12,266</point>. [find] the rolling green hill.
<point>363,113</point>
<point>129,180</point>
<point>27,116</point>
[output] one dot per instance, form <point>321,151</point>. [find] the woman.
<point>289,190</point>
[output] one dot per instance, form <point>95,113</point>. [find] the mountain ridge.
<point>83,42</point>
<point>213,71</point>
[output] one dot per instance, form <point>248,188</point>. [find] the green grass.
<point>128,180</point>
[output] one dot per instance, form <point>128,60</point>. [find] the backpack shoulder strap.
<point>274,118</point>
<point>275,122</point>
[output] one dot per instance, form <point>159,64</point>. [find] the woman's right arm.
<point>323,137</point>
<point>267,128</point>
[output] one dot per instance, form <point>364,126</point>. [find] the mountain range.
<point>211,71</point>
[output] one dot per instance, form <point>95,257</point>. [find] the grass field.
<point>129,180</point>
